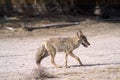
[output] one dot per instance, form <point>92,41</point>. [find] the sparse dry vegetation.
<point>43,8</point>
<point>41,73</point>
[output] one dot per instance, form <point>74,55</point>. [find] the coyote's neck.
<point>76,41</point>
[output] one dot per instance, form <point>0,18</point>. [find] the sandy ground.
<point>101,60</point>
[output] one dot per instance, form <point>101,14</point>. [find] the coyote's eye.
<point>84,38</point>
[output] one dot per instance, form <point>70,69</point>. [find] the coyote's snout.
<point>67,45</point>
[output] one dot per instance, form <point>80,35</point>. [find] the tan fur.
<point>67,45</point>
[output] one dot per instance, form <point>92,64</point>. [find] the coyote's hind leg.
<point>52,59</point>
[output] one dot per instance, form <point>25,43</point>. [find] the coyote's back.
<point>67,45</point>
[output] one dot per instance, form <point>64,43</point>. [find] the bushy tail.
<point>42,53</point>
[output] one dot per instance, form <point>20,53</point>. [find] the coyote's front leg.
<point>77,58</point>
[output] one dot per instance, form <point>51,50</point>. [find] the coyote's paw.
<point>58,66</point>
<point>67,66</point>
<point>81,65</point>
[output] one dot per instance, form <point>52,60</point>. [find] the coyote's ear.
<point>80,32</point>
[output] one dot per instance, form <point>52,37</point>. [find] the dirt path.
<point>101,60</point>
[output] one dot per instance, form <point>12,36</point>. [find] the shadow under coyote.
<point>67,45</point>
<point>99,64</point>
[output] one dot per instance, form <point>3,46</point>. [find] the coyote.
<point>67,45</point>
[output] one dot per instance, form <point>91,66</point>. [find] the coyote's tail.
<point>42,53</point>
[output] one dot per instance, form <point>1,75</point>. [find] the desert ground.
<point>101,59</point>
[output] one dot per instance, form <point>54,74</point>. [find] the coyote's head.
<point>83,39</point>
